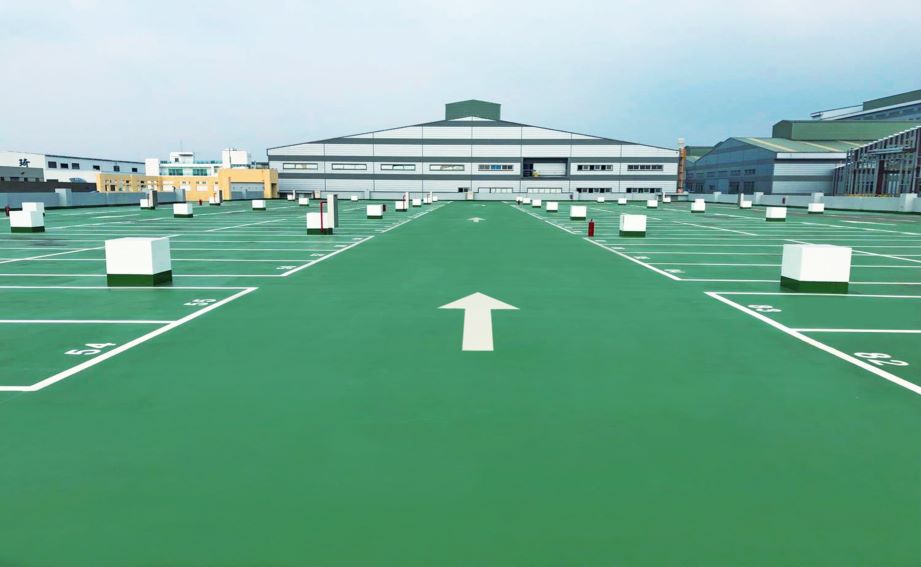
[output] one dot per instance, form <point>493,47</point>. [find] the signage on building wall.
<point>23,162</point>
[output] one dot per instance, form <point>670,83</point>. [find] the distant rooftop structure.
<point>473,108</point>
<point>902,106</point>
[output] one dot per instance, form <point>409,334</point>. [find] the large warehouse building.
<point>474,151</point>
<point>903,106</point>
<point>799,157</point>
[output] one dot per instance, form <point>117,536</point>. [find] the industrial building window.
<point>594,167</point>
<point>96,168</point>
<point>170,171</point>
<point>64,166</point>
<point>75,166</point>
<point>644,189</point>
<point>289,165</point>
<point>748,186</point>
<point>749,172</point>
<point>350,166</point>
<point>735,172</point>
<point>497,189</point>
<point>446,167</point>
<point>711,174</point>
<point>644,167</point>
<point>495,167</point>
<point>398,167</point>
<point>133,169</point>
<point>545,189</point>
<point>116,168</point>
<point>199,171</point>
<point>53,164</point>
<point>593,189</point>
<point>733,186</point>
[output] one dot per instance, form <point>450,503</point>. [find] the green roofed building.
<point>799,157</point>
<point>902,106</point>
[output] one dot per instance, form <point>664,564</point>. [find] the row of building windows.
<point>76,165</point>
<point>459,167</point>
<point>178,171</point>
<point>644,167</point>
<point>496,167</point>
<point>594,167</point>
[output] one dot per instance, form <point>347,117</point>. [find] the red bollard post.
<point>199,202</point>
<point>591,227</point>
<point>7,210</point>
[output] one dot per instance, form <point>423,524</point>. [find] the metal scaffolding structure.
<point>890,166</point>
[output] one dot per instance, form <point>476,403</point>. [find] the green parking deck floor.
<point>302,400</point>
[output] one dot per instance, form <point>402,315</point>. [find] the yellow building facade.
<point>195,187</point>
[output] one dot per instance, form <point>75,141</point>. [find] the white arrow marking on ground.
<point>476,219</point>
<point>478,309</point>
<point>863,222</point>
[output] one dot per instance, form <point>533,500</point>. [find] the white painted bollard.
<point>291,196</point>
<point>375,211</point>
<point>400,206</point>
<point>27,221</point>
<point>652,203</point>
<point>633,225</point>
<point>536,203</point>
<point>40,207</point>
<point>427,199</point>
<point>775,214</point>
<point>816,208</point>
<point>303,201</point>
<point>137,261</point>
<point>258,204</point>
<point>578,212</point>
<point>817,268</point>
<point>553,207</point>
<point>354,197</point>
<point>182,210</point>
<point>622,201</point>
<point>745,204</point>
<point>666,199</point>
<point>417,202</point>
<point>319,223</point>
<point>698,206</point>
<point>600,199</point>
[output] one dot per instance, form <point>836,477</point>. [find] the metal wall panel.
<point>532,133</point>
<point>408,150</point>
<point>446,150</point>
<point>497,133</point>
<point>505,150</point>
<point>597,151</point>
<point>446,132</point>
<point>546,151</point>
<point>346,149</point>
<point>298,150</point>
<point>402,133</point>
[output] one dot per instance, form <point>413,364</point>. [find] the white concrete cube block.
<point>578,212</point>
<point>27,221</point>
<point>417,202</point>
<point>138,261</point>
<point>698,206</point>
<point>600,199</point>
<point>399,205</point>
<point>666,199</point>
<point>526,201</point>
<point>354,197</point>
<point>777,214</point>
<point>536,203</point>
<point>290,196</point>
<point>375,211</point>
<point>182,210</point>
<point>258,204</point>
<point>145,204</point>
<point>816,208</point>
<point>745,204</point>
<point>319,223</point>
<point>427,199</point>
<point>303,201</point>
<point>40,207</point>
<point>652,203</point>
<point>633,225</point>
<point>622,201</point>
<point>816,267</point>
<point>553,206</point>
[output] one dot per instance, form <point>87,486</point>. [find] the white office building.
<point>56,167</point>
<point>185,164</point>
<point>474,150</point>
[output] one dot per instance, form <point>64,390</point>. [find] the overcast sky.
<point>134,79</point>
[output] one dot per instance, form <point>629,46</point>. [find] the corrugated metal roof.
<point>787,146</point>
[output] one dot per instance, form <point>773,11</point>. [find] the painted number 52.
<point>880,359</point>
